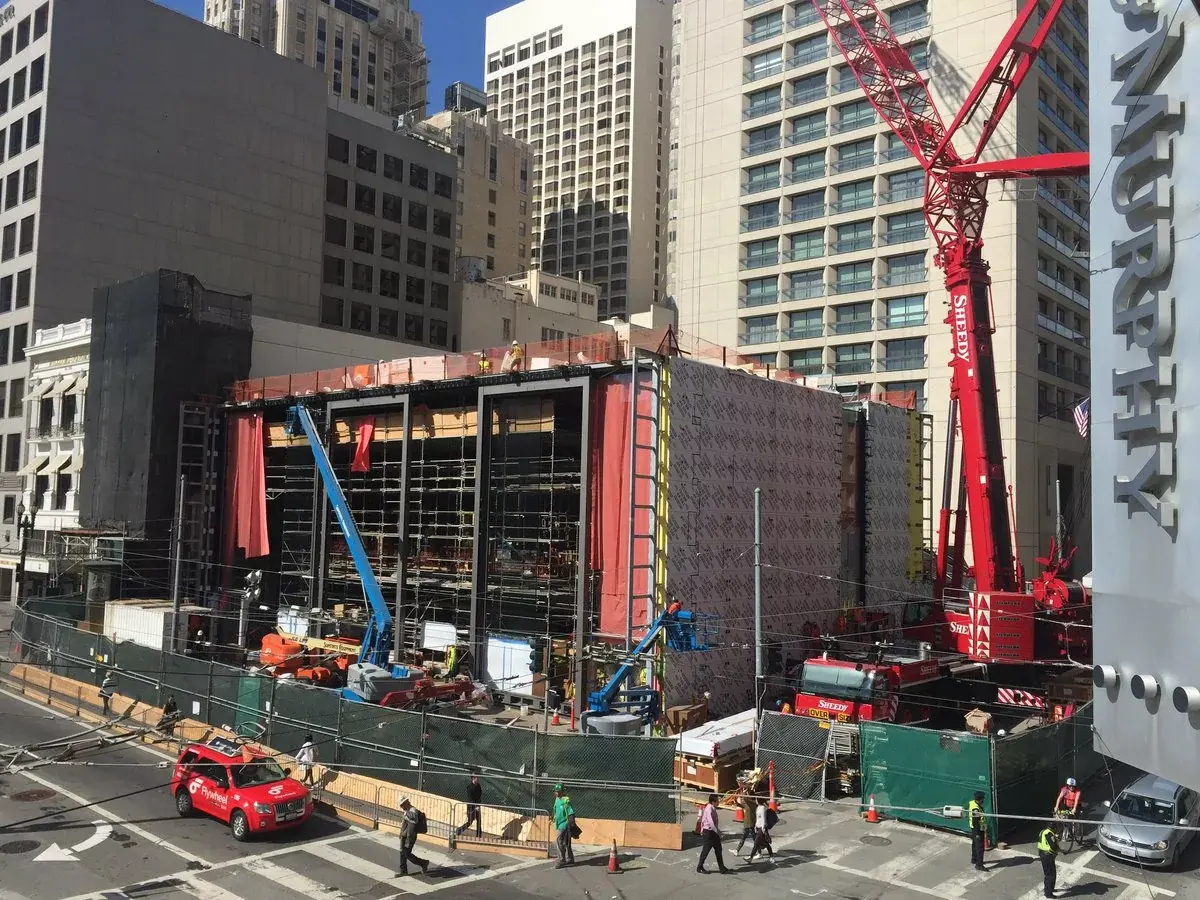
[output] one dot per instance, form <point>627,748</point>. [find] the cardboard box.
<point>685,718</point>
<point>979,722</point>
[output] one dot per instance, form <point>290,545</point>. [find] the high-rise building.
<point>494,219</point>
<point>799,237</point>
<point>371,52</point>
<point>463,97</point>
<point>586,85</point>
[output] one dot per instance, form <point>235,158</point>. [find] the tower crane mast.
<point>955,208</point>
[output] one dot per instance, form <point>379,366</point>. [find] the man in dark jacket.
<point>474,797</point>
<point>409,829</point>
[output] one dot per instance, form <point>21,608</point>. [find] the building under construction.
<point>501,506</point>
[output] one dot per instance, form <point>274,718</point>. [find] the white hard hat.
<point>1070,782</point>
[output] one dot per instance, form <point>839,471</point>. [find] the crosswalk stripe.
<point>294,881</point>
<point>895,869</point>
<point>206,890</point>
<point>340,857</point>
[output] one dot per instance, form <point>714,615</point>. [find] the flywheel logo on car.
<point>276,791</point>
<point>194,786</point>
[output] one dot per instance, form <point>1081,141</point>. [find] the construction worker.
<point>1048,853</point>
<point>170,714</point>
<point>513,358</point>
<point>107,688</point>
<point>451,661</point>
<point>564,822</point>
<point>978,825</point>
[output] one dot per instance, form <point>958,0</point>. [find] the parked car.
<point>1143,824</point>
<point>250,792</point>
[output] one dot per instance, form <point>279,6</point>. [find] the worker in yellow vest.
<point>1048,853</point>
<point>978,825</point>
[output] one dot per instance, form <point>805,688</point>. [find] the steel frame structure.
<point>955,207</point>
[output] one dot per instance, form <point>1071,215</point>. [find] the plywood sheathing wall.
<point>729,433</point>
<point>891,480</point>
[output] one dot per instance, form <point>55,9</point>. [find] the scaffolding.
<point>199,471</point>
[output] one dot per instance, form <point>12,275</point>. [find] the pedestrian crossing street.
<point>355,866</point>
<point>917,863</point>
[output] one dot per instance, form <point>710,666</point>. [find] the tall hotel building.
<point>587,84</point>
<point>797,233</point>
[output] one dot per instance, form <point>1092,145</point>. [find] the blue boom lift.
<point>373,676</point>
<point>680,626</point>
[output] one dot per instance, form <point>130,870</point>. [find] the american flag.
<point>1082,414</point>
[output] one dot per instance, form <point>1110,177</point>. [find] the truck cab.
<point>834,691</point>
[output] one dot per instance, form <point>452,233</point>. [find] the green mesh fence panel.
<point>83,648</point>
<point>298,710</point>
<point>382,743</point>
<point>1032,766</point>
<point>641,772</point>
<point>910,770</point>
<point>138,672</point>
<point>799,746</point>
<point>239,701</point>
<point>190,681</point>
<point>457,747</point>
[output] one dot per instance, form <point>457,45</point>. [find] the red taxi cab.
<point>231,783</point>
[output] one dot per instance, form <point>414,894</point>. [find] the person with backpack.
<point>764,820</point>
<point>413,823</point>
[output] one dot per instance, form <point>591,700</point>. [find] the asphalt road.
<point>51,848</point>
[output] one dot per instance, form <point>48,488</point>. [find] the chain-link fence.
<point>628,778</point>
<point>799,748</point>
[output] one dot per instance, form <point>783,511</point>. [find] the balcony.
<point>1080,25</point>
<point>808,95</point>
<point>761,261</point>
<point>809,368</point>
<point>1046,194</point>
<point>852,326</point>
<point>852,245</point>
<point>852,124</point>
<point>845,86</point>
<point>803,332</point>
<point>757,148</point>
<point>807,56</point>
<point>909,25</point>
<point>851,367</point>
<point>753,338</point>
<point>758,223</point>
<point>1061,46</point>
<point>774,68</point>
<point>757,110</point>
<point>893,154</point>
<point>807,15</point>
<point>801,254</point>
<point>1062,330</point>
<point>799,176</point>
<point>904,276</point>
<point>750,301</point>
<point>762,184</point>
<point>853,163</point>
<point>803,136</point>
<point>1048,280</point>
<point>1081,258</point>
<point>852,204</point>
<point>903,362</point>
<point>804,214</point>
<point>750,4</point>
<point>904,320</point>
<point>897,195</point>
<point>1061,124</point>
<point>765,34</point>
<point>904,235</point>
<point>851,287</point>
<point>1049,72</point>
<point>804,291</point>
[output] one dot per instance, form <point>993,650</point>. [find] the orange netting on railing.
<point>607,347</point>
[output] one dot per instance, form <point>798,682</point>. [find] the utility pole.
<point>177,570</point>
<point>758,644</point>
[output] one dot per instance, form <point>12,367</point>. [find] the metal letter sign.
<point>1143,150</point>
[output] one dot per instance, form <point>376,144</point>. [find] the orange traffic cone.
<point>772,805</point>
<point>614,865</point>
<point>555,720</point>
<point>872,814</point>
<point>739,814</point>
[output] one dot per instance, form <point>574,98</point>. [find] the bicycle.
<point>1068,831</point>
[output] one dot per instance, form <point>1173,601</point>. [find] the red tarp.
<point>362,455</point>
<point>609,518</point>
<point>248,487</point>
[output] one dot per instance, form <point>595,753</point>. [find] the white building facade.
<point>587,86</point>
<point>1146,62</point>
<point>797,233</point>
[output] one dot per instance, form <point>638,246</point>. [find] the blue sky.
<point>453,38</point>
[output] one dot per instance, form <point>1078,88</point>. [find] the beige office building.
<point>494,219</point>
<point>798,236</point>
<point>586,84</point>
<point>371,52</point>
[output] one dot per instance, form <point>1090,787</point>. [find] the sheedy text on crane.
<point>1144,152</point>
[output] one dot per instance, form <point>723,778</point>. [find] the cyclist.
<point>1067,805</point>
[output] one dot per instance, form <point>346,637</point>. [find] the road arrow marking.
<point>55,853</point>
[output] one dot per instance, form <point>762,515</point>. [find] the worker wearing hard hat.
<point>514,356</point>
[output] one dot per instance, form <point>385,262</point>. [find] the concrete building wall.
<point>799,239</point>
<point>495,313</point>
<point>586,85</point>
<point>1143,434</point>
<point>388,256</point>
<point>284,348</point>
<point>494,221</point>
<point>728,433</point>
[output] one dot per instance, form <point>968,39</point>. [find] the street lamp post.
<point>24,526</point>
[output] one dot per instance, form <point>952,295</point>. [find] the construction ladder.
<point>644,538</point>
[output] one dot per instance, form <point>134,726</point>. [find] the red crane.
<point>955,206</point>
